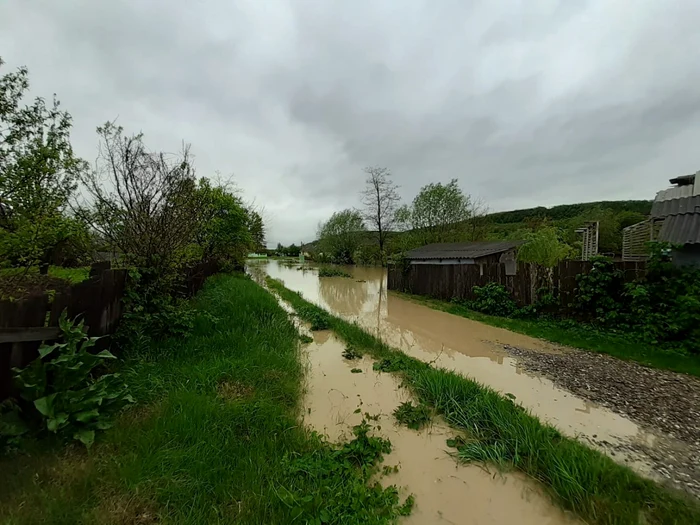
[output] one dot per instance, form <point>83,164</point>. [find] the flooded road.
<point>445,491</point>
<point>468,347</point>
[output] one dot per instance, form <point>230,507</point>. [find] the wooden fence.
<point>98,301</point>
<point>457,281</point>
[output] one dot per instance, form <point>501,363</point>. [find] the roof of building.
<point>461,250</point>
<point>683,228</point>
<point>664,208</point>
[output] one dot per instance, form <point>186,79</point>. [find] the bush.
<point>69,400</point>
<point>599,295</point>
<point>492,299</point>
<point>330,271</point>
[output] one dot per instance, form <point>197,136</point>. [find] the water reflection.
<point>344,296</point>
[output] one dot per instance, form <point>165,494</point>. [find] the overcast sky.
<point>527,103</point>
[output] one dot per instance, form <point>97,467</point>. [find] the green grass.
<point>413,416</point>
<point>583,337</point>
<point>579,478</point>
<point>215,437</point>
<point>74,275</point>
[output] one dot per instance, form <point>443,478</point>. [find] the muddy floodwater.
<point>469,347</point>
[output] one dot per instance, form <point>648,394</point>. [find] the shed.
<point>481,253</point>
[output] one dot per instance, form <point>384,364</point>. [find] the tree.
<point>145,204</point>
<point>544,247</point>
<point>38,173</point>
<point>380,199</point>
<point>256,227</point>
<point>340,236</point>
<point>440,211</point>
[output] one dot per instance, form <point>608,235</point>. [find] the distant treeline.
<point>569,211</point>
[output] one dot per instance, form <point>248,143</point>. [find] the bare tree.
<point>143,203</point>
<point>380,199</point>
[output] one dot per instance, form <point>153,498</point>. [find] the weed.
<point>316,317</point>
<point>413,416</point>
<point>356,370</point>
<point>305,339</point>
<point>331,271</point>
<point>351,353</point>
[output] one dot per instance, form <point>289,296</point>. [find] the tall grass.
<point>580,479</point>
<point>215,438</point>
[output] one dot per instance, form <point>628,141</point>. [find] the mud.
<point>445,491</point>
<point>477,351</point>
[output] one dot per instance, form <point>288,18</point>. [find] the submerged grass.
<point>413,416</point>
<point>577,336</point>
<point>332,271</point>
<point>579,478</point>
<point>215,437</point>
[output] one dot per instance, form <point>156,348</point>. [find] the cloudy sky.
<point>527,103</point>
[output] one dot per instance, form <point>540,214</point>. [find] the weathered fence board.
<point>457,281</point>
<point>97,301</point>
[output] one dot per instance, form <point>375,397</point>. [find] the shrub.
<point>69,400</point>
<point>598,295</point>
<point>492,299</point>
<point>331,271</point>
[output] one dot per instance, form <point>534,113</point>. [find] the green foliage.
<point>347,495</point>
<point>599,292</point>
<point>340,236</point>
<point>413,416</point>
<point>316,317</point>
<point>355,370</point>
<point>439,212</point>
<point>12,427</point>
<point>38,174</point>
<point>332,271</point>
<point>68,398</point>
<point>288,251</point>
<point>351,353</point>
<point>151,312</point>
<point>492,299</point>
<point>305,339</point>
<point>544,247</point>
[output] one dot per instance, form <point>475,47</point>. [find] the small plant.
<point>356,371</point>
<point>331,271</point>
<point>318,319</point>
<point>413,416</point>
<point>305,339</point>
<point>346,493</point>
<point>12,428</point>
<point>492,299</point>
<point>351,353</point>
<point>68,398</point>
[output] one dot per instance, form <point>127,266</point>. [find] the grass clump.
<point>351,353</point>
<point>332,271</point>
<point>413,416</point>
<point>305,339</point>
<point>317,318</point>
<point>581,479</point>
<point>355,370</point>
<point>214,437</point>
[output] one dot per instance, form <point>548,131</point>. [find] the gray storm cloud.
<point>526,103</point>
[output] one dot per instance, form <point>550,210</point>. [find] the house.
<point>481,253</point>
<point>674,218</point>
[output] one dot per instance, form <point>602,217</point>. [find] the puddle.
<point>471,348</point>
<point>445,491</point>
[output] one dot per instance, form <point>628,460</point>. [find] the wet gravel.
<point>666,403</point>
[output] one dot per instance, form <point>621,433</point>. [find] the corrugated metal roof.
<point>664,208</point>
<point>677,192</point>
<point>681,229</point>
<point>461,250</point>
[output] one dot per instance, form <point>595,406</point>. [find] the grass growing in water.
<point>575,335</point>
<point>331,271</point>
<point>215,437</point>
<point>351,353</point>
<point>413,416</point>
<point>581,479</point>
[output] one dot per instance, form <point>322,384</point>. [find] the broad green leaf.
<point>86,437</point>
<point>45,350</point>
<point>55,423</point>
<point>106,354</point>
<point>45,405</point>
<point>87,415</point>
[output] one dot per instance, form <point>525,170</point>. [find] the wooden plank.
<point>22,335</point>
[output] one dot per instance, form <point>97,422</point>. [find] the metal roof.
<point>681,229</point>
<point>664,208</point>
<point>461,250</point>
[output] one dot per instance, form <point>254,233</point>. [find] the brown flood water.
<point>466,346</point>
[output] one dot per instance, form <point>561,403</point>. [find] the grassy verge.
<point>215,437</point>
<point>579,478</point>
<point>620,346</point>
